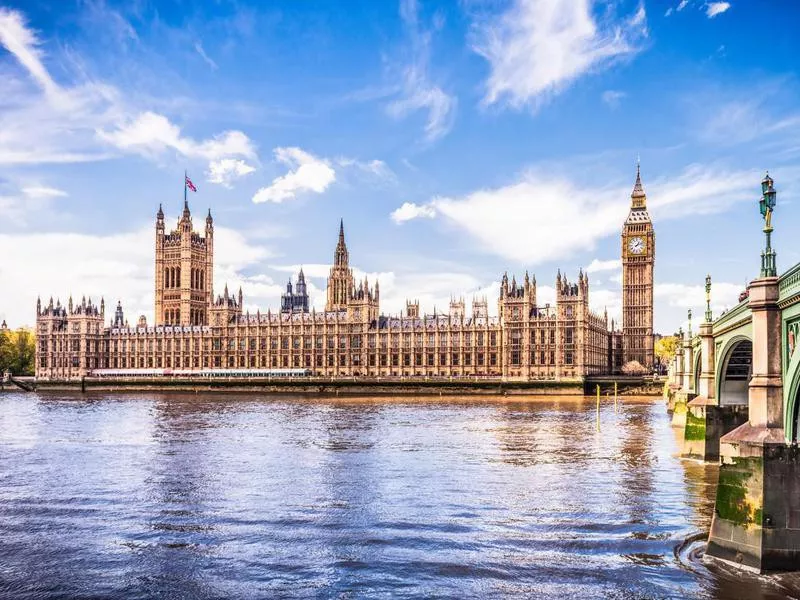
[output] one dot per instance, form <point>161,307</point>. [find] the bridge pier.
<point>683,393</point>
<point>756,522</point>
<point>706,420</point>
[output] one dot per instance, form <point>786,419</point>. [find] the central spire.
<point>341,256</point>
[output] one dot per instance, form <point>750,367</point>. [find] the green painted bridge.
<point>734,389</point>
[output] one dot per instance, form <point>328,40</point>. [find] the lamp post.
<point>708,298</point>
<point>766,205</point>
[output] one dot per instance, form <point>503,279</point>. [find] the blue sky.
<point>457,140</point>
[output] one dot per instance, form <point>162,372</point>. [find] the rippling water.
<point>218,496</point>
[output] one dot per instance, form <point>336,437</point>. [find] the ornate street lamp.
<point>708,298</point>
<point>767,205</point>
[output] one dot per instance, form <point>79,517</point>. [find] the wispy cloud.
<point>24,204</point>
<point>740,116</point>
<point>716,8</point>
<point>199,49</point>
<point>538,48</point>
<point>86,119</point>
<point>42,191</point>
<point>418,92</point>
<point>612,98</point>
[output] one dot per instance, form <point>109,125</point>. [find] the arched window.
<point>202,280</point>
<point>177,277</point>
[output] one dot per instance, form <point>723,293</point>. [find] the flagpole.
<point>185,199</point>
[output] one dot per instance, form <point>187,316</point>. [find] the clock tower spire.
<point>638,254</point>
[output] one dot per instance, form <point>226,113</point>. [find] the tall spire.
<point>341,257</point>
<point>637,195</point>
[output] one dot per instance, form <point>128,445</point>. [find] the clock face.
<point>636,245</point>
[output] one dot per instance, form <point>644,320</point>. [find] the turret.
<point>119,317</point>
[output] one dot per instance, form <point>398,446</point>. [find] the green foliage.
<point>665,348</point>
<point>17,352</point>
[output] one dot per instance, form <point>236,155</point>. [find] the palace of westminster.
<point>193,330</point>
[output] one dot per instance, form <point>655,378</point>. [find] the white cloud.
<point>681,5</point>
<point>598,265</point>
<point>418,92</point>
<point>613,97</point>
<point>150,134</point>
<point>226,170</point>
<point>674,297</point>
<point>307,173</point>
<point>518,222</point>
<point>41,191</point>
<point>409,211</point>
<point>716,8</point>
<point>199,49</point>
<point>117,266</point>
<point>537,48</point>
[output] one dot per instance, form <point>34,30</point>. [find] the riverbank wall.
<point>361,386</point>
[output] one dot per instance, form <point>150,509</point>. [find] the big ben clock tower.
<point>638,254</point>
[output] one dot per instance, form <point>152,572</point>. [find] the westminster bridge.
<point>734,388</point>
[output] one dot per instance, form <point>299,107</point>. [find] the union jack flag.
<point>189,184</point>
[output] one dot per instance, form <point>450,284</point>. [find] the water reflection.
<point>207,496</point>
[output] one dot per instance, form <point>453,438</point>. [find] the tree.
<point>666,347</point>
<point>633,367</point>
<point>17,351</point>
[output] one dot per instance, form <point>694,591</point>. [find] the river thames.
<point>233,496</point>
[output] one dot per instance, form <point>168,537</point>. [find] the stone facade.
<point>350,338</point>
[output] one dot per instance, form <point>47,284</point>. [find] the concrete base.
<point>682,398</point>
<point>670,392</point>
<point>706,423</point>
<point>756,523</point>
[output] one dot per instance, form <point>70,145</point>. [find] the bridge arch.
<point>791,391</point>
<point>734,369</point>
<point>696,370</point>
